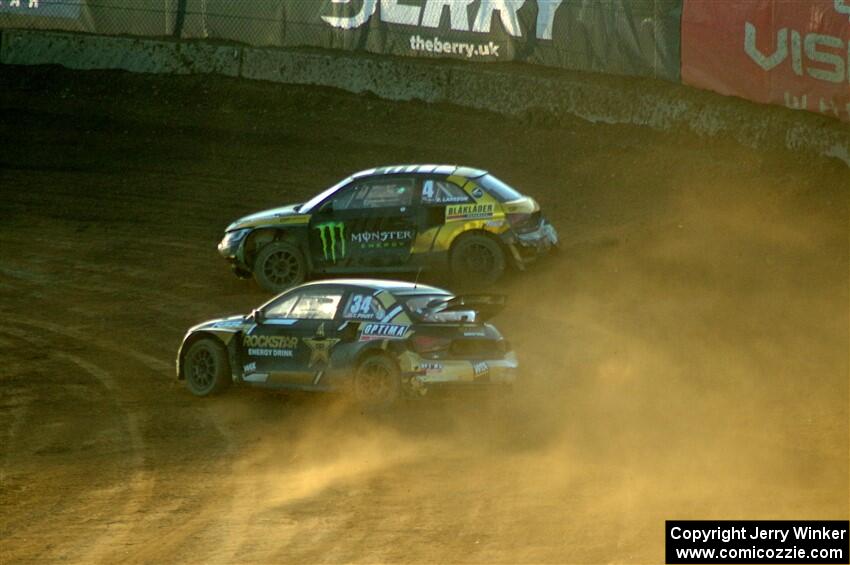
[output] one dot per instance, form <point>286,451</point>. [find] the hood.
<point>266,217</point>
<point>231,323</point>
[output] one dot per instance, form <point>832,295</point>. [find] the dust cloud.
<point>691,365</point>
<point>685,355</point>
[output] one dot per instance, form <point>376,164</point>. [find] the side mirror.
<point>257,316</point>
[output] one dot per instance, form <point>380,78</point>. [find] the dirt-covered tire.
<point>206,368</point>
<point>477,260</point>
<point>279,266</point>
<point>377,383</point>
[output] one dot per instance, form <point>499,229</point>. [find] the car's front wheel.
<point>477,260</point>
<point>377,382</point>
<point>206,368</point>
<point>279,266</point>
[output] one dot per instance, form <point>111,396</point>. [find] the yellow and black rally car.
<point>393,219</point>
<point>377,339</point>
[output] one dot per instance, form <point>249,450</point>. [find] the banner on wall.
<point>623,37</point>
<point>69,9</point>
<point>789,52</point>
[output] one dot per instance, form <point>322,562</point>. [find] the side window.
<point>438,192</point>
<point>281,308</point>
<point>363,306</point>
<point>316,306</point>
<point>377,193</point>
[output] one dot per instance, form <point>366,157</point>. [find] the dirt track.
<point>686,356</point>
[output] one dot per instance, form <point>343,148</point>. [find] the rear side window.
<point>378,193</point>
<point>418,305</point>
<point>440,192</point>
<point>498,189</point>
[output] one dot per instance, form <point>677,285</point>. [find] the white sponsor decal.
<point>270,341</point>
<point>256,378</point>
<point>822,57</point>
<point>256,352</point>
<point>428,13</point>
<point>842,7</point>
<point>383,331</point>
<point>369,237</point>
<point>468,50</point>
<point>828,65</point>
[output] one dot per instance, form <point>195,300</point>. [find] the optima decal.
<point>330,233</point>
<point>383,331</point>
<point>464,211</point>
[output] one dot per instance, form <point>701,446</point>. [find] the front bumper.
<point>530,246</point>
<point>230,248</point>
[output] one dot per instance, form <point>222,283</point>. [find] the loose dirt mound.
<point>686,356</point>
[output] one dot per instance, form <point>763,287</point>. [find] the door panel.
<point>295,348</point>
<point>372,223</point>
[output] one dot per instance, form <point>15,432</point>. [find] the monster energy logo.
<point>329,232</point>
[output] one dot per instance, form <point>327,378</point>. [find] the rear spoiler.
<point>485,305</point>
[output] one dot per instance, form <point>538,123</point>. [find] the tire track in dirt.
<point>95,506</point>
<point>132,512</point>
<point>158,366</point>
<point>138,490</point>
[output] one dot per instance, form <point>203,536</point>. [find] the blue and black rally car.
<point>376,339</point>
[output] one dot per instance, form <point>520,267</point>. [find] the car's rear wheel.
<point>206,368</point>
<point>279,266</point>
<point>377,382</point>
<point>477,260</point>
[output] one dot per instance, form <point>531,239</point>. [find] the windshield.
<point>498,189</point>
<point>316,200</point>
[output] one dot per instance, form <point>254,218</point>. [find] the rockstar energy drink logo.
<point>330,232</point>
<point>270,341</point>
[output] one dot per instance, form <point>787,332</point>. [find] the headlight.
<point>232,238</point>
<point>228,246</point>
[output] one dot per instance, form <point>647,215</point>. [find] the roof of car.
<point>395,287</point>
<point>469,172</point>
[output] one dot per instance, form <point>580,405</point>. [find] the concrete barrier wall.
<point>538,94</point>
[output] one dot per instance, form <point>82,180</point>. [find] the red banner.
<point>790,52</point>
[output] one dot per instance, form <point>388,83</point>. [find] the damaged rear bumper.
<point>462,373</point>
<point>528,247</point>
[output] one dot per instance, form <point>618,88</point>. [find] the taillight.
<point>430,344</point>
